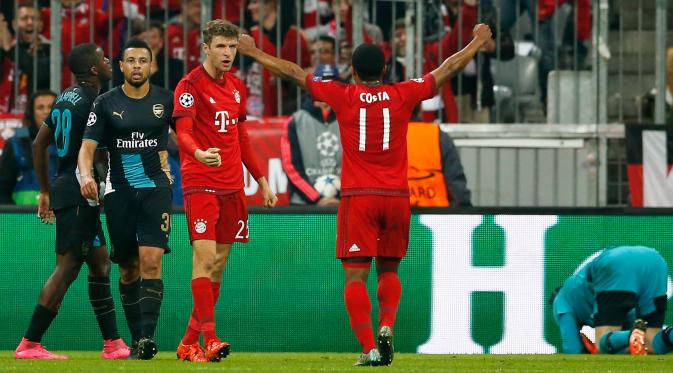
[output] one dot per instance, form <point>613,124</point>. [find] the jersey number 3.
<point>362,146</point>
<point>63,121</point>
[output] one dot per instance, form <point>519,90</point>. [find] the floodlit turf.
<point>325,362</point>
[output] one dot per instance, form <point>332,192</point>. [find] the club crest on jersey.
<point>200,226</point>
<point>158,110</point>
<point>186,100</point>
<point>237,96</point>
<point>92,119</point>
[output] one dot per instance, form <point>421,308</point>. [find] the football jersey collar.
<point>222,81</point>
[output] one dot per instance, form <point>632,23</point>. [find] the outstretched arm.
<point>281,68</point>
<point>458,61</point>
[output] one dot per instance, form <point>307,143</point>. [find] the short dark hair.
<point>219,27</point>
<point>328,39</point>
<point>30,108</point>
<point>368,62</point>
<point>157,25</point>
<point>82,58</point>
<point>136,42</point>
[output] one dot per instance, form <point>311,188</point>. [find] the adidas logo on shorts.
<point>354,248</point>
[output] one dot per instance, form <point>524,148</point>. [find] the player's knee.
<point>150,267</point>
<point>99,266</point>
<point>129,272</point>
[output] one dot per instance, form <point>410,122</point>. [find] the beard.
<point>136,83</point>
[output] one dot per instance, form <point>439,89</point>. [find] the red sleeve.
<point>416,90</point>
<point>184,128</point>
<point>184,102</point>
<point>247,154</point>
<point>330,92</point>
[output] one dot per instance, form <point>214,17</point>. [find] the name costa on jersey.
<point>374,97</point>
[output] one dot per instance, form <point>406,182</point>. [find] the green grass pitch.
<point>165,362</point>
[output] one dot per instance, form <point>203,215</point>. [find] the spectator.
<point>186,50</point>
<point>76,16</point>
<point>449,44</point>
<point>344,64</point>
<point>371,33</point>
<point>31,44</point>
<point>262,91</point>
<point>18,182</point>
<point>323,51</point>
<point>474,108</point>
<point>311,151</point>
<point>547,37</point>
<point>232,10</point>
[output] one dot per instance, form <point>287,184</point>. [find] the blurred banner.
<point>472,283</point>
<point>650,158</point>
<point>265,136</point>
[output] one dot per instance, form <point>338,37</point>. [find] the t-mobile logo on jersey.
<point>222,120</point>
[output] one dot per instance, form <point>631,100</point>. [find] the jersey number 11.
<point>363,129</point>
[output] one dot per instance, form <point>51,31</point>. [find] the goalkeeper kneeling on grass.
<point>620,285</point>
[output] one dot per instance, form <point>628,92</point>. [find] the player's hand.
<point>328,201</point>
<point>246,44</point>
<point>482,33</point>
<point>210,157</point>
<point>268,195</point>
<point>89,187</point>
<point>470,2</point>
<point>43,212</point>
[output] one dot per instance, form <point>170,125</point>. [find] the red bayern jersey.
<point>373,123</point>
<point>217,108</point>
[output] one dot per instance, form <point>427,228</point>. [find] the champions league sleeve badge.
<point>186,100</point>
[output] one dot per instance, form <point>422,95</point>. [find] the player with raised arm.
<point>79,237</point>
<point>209,112</point>
<point>132,122</point>
<point>374,214</point>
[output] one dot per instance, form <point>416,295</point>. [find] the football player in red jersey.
<point>373,217</point>
<point>209,112</point>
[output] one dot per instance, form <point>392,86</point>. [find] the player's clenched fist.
<point>209,157</point>
<point>246,44</point>
<point>482,32</point>
<point>89,188</point>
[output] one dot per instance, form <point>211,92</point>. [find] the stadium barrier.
<point>475,281</point>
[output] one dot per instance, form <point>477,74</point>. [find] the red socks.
<point>194,327</point>
<point>359,310</point>
<point>203,314</point>
<point>389,293</point>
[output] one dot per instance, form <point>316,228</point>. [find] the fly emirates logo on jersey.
<point>137,141</point>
